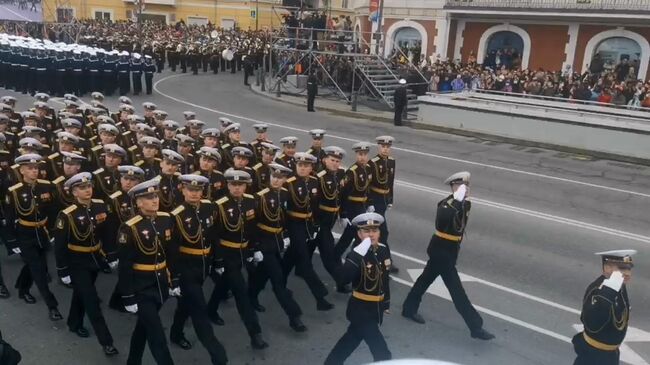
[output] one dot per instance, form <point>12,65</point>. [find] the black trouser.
<point>160,65</point>
<point>192,305</point>
<point>380,204</point>
<point>183,64</point>
<point>137,82</point>
<point>399,110</point>
<point>78,79</point>
<point>357,332</point>
<point>233,279</point>
<point>41,81</point>
<point>34,271</point>
<point>271,269</point>
<point>149,329</point>
<point>588,355</point>
<point>86,301</point>
<point>109,82</point>
<point>441,264</point>
<point>325,243</point>
<point>232,66</point>
<point>205,62</point>
<point>123,80</point>
<point>298,256</point>
<point>2,280</point>
<point>222,62</point>
<point>310,101</point>
<point>95,81</point>
<point>246,74</point>
<point>148,82</point>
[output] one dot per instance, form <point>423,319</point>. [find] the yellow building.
<point>224,13</point>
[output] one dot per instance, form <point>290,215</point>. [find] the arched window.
<point>408,37</point>
<point>616,49</point>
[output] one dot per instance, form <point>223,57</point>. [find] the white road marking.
<point>474,163</point>
<point>16,14</point>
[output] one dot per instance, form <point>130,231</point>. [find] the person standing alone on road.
<point>400,100</point>
<point>312,91</point>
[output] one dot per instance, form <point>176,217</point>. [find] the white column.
<point>460,28</point>
<point>570,48</point>
<point>442,35</point>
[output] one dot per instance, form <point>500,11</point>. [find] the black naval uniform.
<point>303,196</point>
<point>121,210</point>
<point>79,236</point>
<point>605,315</point>
<point>451,220</point>
<point>370,298</point>
<point>144,280</point>
<point>235,228</point>
<point>381,188</point>
<point>191,256</point>
<point>149,70</point>
<point>123,69</point>
<point>170,195</point>
<point>312,91</point>
<point>270,217</point>
<point>31,207</point>
<point>354,201</point>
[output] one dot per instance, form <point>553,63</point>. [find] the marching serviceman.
<point>451,221</point>
<point>106,177</point>
<point>29,207</point>
<point>209,159</point>
<point>316,148</point>
<point>366,267</point>
<point>169,166</point>
<point>605,311</point>
<point>150,162</point>
<point>71,166</point>
<point>143,273</point>
<point>235,229</point>
<point>303,198</point>
<point>262,169</point>
<point>262,137</point>
<point>354,195</point>
<point>149,70</point>
<point>186,149</point>
<point>123,69</point>
<point>80,233</point>
<point>270,216</point>
<point>191,257</point>
<point>382,168</point>
<point>288,151</point>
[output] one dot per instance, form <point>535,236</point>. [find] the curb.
<point>466,133</point>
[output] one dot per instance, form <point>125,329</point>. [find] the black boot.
<point>109,350</point>
<point>258,343</point>
<point>180,341</point>
<point>296,324</point>
<point>55,315</point>
<point>323,305</point>
<point>4,292</point>
<point>482,334</point>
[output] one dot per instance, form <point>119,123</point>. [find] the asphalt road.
<point>13,12</point>
<point>538,218</point>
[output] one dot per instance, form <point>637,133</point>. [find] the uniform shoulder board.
<point>97,148</point>
<point>133,148</point>
<point>98,171</point>
<point>58,180</point>
<point>381,244</point>
<point>450,201</point>
<point>17,186</point>
<point>98,201</point>
<point>177,174</point>
<point>249,196</point>
<point>390,158</point>
<point>139,163</point>
<point>375,159</point>
<point>162,214</point>
<point>263,191</point>
<point>353,167</point>
<point>257,166</point>
<point>133,220</point>
<point>46,182</point>
<point>178,210</point>
<point>322,173</point>
<point>116,195</point>
<point>282,155</point>
<point>157,159</point>
<point>291,179</point>
<point>206,201</point>
<point>312,178</point>
<point>284,189</point>
<point>69,209</point>
<point>196,173</point>
<point>225,146</point>
<point>15,166</point>
<point>53,156</point>
<point>222,200</point>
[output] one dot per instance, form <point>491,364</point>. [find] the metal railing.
<point>596,5</point>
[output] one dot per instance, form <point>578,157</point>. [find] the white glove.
<point>113,264</point>
<point>344,222</point>
<point>219,270</point>
<point>176,292</point>
<point>459,194</point>
<point>363,247</point>
<point>66,280</point>
<point>389,206</point>
<point>258,256</point>
<point>16,250</point>
<point>615,281</point>
<point>52,241</point>
<point>132,308</point>
<point>287,242</point>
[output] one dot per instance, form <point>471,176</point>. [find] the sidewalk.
<point>338,107</point>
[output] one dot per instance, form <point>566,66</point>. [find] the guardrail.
<point>596,5</point>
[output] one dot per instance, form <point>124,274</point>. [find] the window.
<point>64,15</point>
<point>102,15</point>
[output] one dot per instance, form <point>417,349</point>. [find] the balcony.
<point>155,2</point>
<point>622,6</point>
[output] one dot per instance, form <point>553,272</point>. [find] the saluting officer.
<point>366,267</point>
<point>169,166</point>
<point>354,194</point>
<point>380,194</point>
<point>303,197</point>
<point>236,229</point>
<point>80,233</point>
<point>143,273</point>
<point>191,257</point>
<point>209,159</point>
<point>29,206</point>
<point>316,148</point>
<point>286,158</point>
<point>443,250</point>
<point>605,311</point>
<point>271,217</point>
<point>122,208</point>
